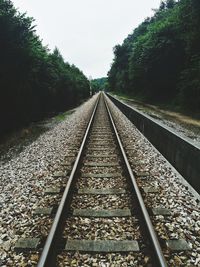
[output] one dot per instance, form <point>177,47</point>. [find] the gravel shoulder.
<point>183,125</point>
<point>14,143</point>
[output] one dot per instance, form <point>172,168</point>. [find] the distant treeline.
<point>160,60</point>
<point>99,84</point>
<point>33,81</point>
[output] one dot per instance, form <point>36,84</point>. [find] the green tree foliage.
<point>33,81</point>
<point>99,84</point>
<point>160,60</point>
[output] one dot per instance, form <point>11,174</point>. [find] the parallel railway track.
<point>183,154</point>
<point>102,188</point>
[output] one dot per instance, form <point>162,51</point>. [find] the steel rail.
<point>157,249</point>
<point>48,256</point>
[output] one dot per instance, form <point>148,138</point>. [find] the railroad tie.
<point>101,175</point>
<point>106,191</point>
<point>103,213</point>
<point>101,246</point>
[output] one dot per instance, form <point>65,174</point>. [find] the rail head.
<point>47,258</point>
<point>158,251</point>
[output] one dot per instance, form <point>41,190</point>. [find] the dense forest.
<point>99,84</point>
<point>160,61</point>
<point>34,82</point>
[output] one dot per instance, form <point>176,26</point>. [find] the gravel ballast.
<point>26,177</point>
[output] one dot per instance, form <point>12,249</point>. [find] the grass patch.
<point>166,111</point>
<point>62,116</point>
<point>168,107</point>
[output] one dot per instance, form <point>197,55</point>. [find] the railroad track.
<point>101,191</point>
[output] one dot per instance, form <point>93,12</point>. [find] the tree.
<point>160,60</point>
<point>33,81</point>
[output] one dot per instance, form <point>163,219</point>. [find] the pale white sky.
<point>85,31</point>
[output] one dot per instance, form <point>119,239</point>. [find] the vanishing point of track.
<point>101,156</point>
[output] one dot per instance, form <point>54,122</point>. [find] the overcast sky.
<point>85,31</point>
